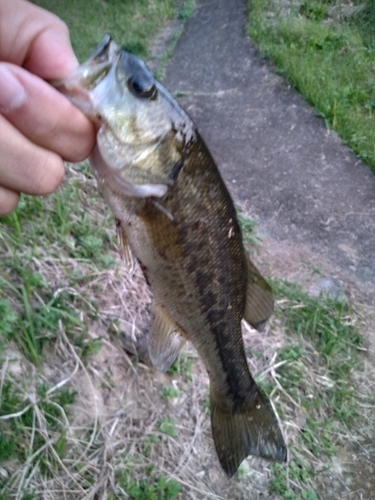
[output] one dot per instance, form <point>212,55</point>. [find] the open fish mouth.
<point>87,76</point>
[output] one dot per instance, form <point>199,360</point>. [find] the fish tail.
<point>252,429</point>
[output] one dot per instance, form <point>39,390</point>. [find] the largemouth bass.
<point>176,217</point>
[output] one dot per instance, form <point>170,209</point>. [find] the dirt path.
<point>313,198</point>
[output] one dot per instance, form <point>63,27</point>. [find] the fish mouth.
<point>85,77</point>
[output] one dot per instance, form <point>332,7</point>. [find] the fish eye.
<point>142,87</point>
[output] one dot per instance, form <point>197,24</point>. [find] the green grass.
<point>151,488</point>
<point>248,228</point>
<point>48,248</point>
<point>168,426</point>
<point>323,351</point>
<point>326,49</point>
<point>32,427</point>
<point>182,365</point>
<point>131,23</point>
<point>170,392</point>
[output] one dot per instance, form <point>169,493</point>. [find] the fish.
<point>176,217</point>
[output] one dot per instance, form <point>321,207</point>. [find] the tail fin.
<point>252,430</point>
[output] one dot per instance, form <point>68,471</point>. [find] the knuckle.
<point>57,24</point>
<point>50,175</point>
<point>81,145</point>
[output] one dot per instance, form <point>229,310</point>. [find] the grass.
<point>131,23</point>
<point>14,437</point>
<point>183,365</point>
<point>37,240</point>
<point>248,228</point>
<point>152,488</point>
<point>168,426</point>
<point>326,49</point>
<point>170,392</point>
<point>317,379</point>
<point>40,302</point>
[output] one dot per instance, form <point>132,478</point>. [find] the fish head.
<point>120,94</point>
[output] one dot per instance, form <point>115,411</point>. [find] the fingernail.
<point>12,93</point>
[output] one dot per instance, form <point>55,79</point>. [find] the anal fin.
<point>259,298</point>
<point>165,340</point>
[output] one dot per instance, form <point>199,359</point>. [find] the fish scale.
<point>176,217</point>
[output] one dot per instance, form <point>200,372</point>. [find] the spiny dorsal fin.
<point>165,340</point>
<point>259,298</point>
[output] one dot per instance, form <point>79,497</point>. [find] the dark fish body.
<point>177,218</point>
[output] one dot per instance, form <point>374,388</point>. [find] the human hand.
<point>39,127</point>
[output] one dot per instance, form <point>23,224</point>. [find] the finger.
<point>8,200</point>
<point>38,40</point>
<point>26,167</point>
<point>44,115</point>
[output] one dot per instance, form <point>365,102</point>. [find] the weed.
<point>170,392</point>
<point>150,440</point>
<point>186,10</point>
<point>168,426</point>
<point>157,488</point>
<point>247,227</point>
<point>90,347</point>
<point>298,472</point>
<point>183,365</point>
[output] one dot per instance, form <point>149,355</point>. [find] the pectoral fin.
<point>165,340</point>
<point>259,298</point>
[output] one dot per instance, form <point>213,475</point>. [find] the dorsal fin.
<point>259,298</point>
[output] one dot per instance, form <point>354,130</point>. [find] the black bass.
<point>176,217</point>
